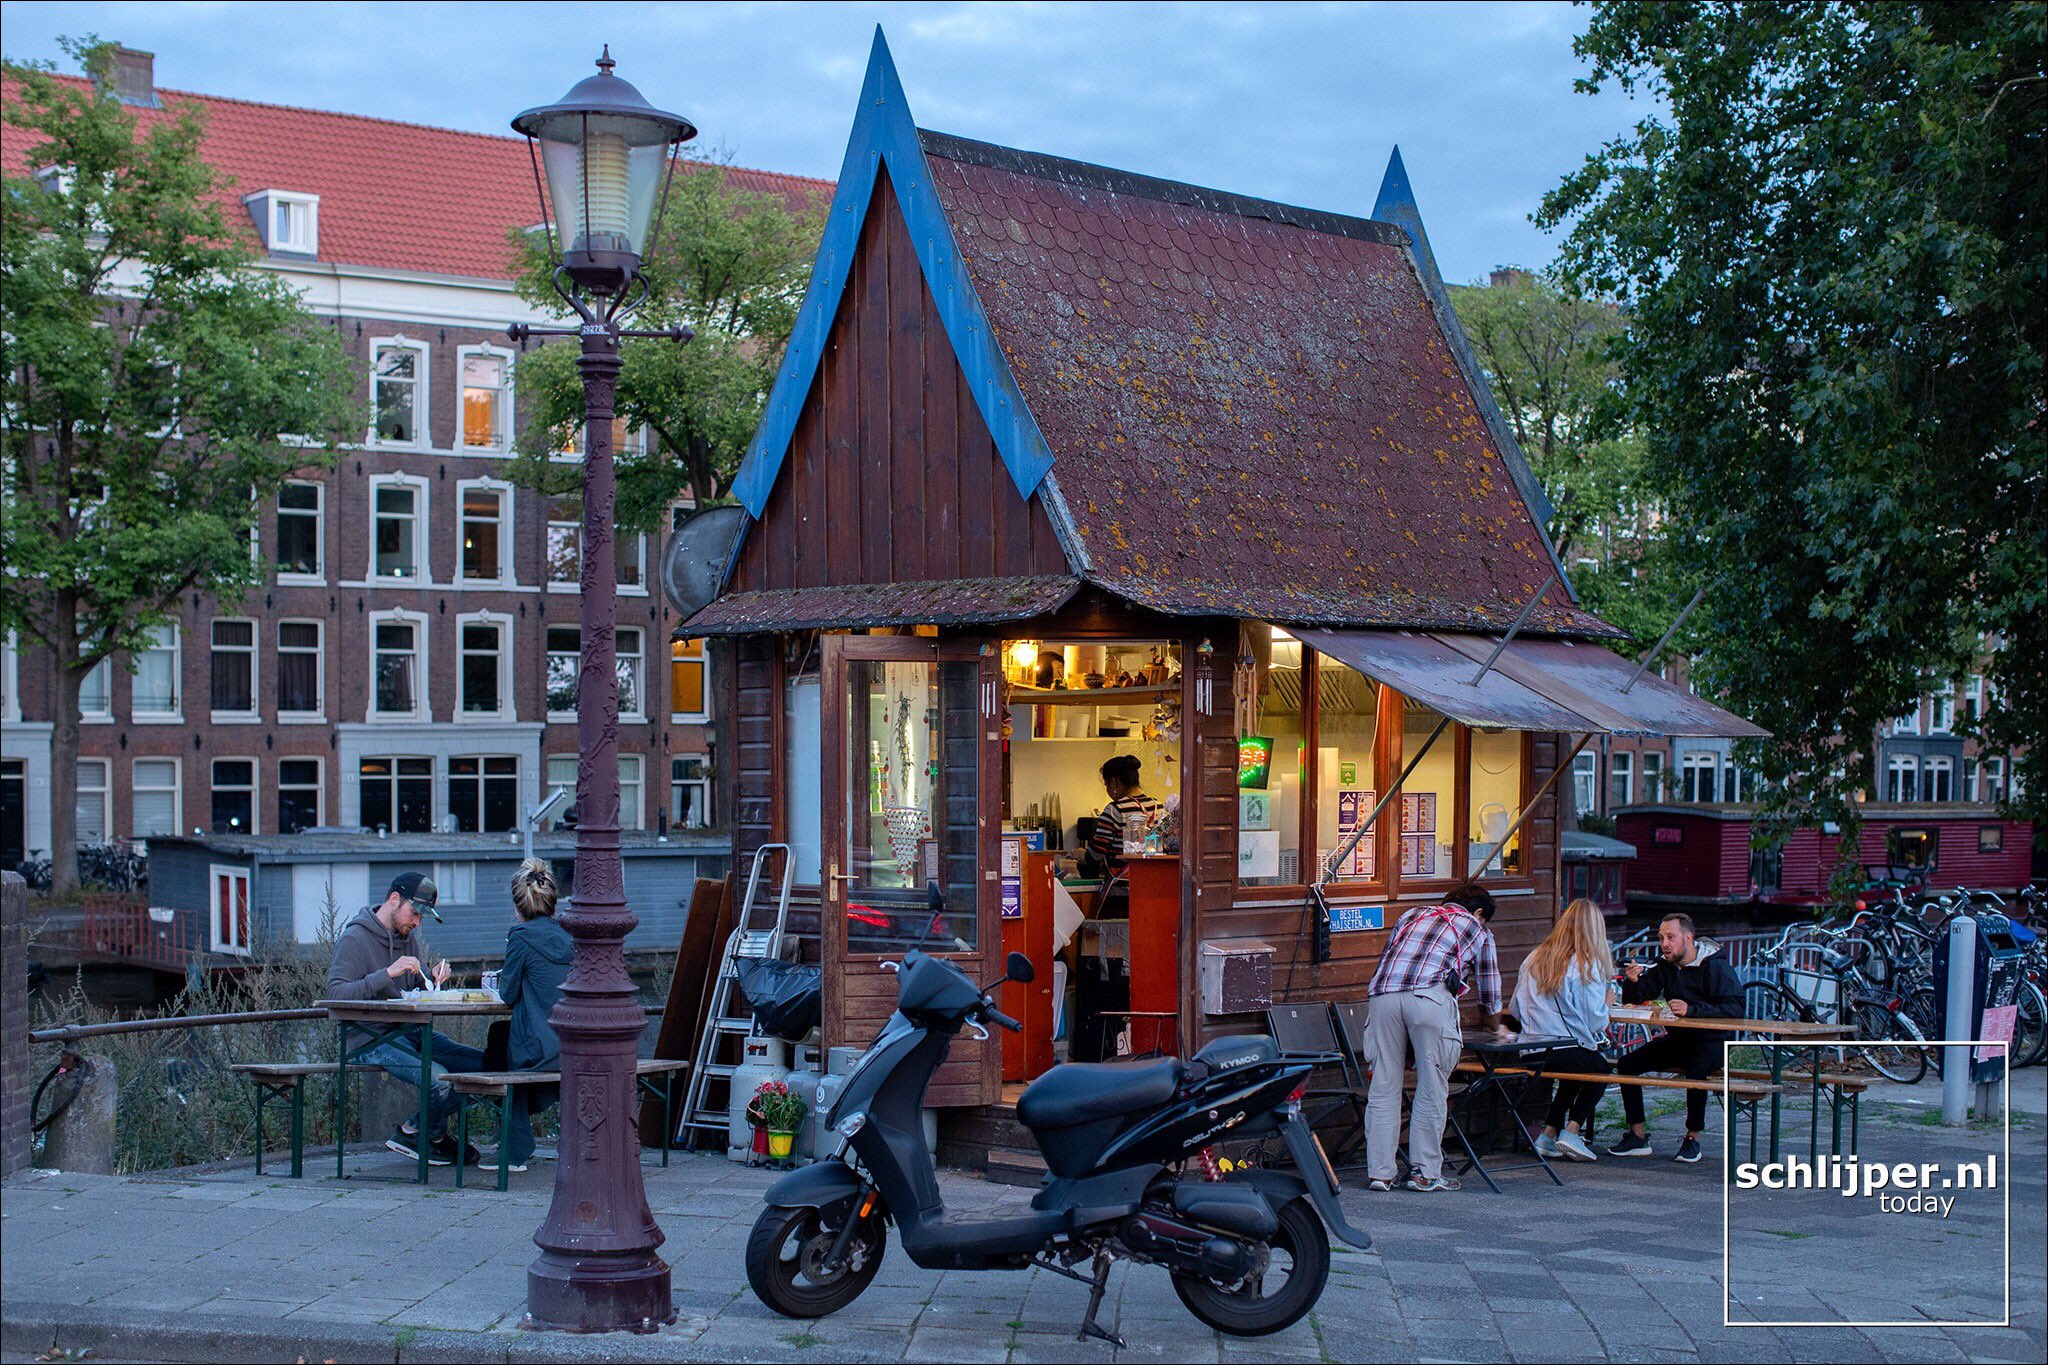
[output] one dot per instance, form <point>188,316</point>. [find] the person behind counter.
<point>1103,855</point>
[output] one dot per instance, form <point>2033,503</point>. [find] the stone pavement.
<point>1623,1263</point>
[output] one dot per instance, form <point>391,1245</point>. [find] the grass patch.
<point>1787,1233</point>
<point>804,1340</point>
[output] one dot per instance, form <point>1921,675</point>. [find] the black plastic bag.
<point>787,998</point>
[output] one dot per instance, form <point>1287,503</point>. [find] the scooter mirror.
<point>1017,967</point>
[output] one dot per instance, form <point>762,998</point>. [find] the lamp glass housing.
<point>604,175</point>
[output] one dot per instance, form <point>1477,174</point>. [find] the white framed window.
<point>157,797</point>
<point>1585,782</point>
<point>234,669</point>
<point>629,565</point>
<point>632,786</point>
<point>301,522</point>
<point>1620,778</point>
<point>565,544</point>
<point>1994,780</point>
<point>457,883</point>
<point>396,794</point>
<point>10,678</point>
<point>1909,723</point>
<point>301,671</point>
<point>228,908</point>
<point>689,792</point>
<point>398,392</point>
<point>1942,717</point>
<point>565,653</point>
<point>155,688</point>
<point>1938,779</point>
<point>398,666</point>
<point>689,682</point>
<point>1902,778</point>
<point>299,789</point>
<point>1973,697</point>
<point>483,793</point>
<point>1653,777</point>
<point>1970,790</point>
<point>234,796</point>
<point>1732,781</point>
<point>486,398</point>
<point>289,222</point>
<point>96,694</point>
<point>561,770</point>
<point>1698,777</point>
<point>398,530</point>
<point>95,801</point>
<point>484,682</point>
<point>630,660</point>
<point>486,542</point>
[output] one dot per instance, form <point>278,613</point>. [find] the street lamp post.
<point>608,157</point>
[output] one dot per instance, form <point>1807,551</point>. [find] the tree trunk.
<point>64,780</point>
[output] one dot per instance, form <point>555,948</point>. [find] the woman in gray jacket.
<point>537,953</point>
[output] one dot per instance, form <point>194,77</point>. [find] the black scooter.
<point>1128,1175</point>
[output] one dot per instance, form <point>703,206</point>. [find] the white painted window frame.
<point>506,706</point>
<point>317,716</point>
<point>318,578</point>
<point>255,789</point>
<point>176,649</point>
<point>505,399</point>
<point>423,705</point>
<point>422,381</point>
<point>105,789</point>
<point>103,715</point>
<point>620,656</point>
<point>319,784</point>
<point>547,651</point>
<point>504,576</point>
<point>703,661</point>
<point>214,873</point>
<point>422,491</point>
<point>254,651</point>
<point>633,814</point>
<point>177,791</point>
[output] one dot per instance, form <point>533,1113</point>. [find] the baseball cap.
<point>418,888</point>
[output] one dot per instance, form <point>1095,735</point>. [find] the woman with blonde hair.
<point>537,953</point>
<point>1563,992</point>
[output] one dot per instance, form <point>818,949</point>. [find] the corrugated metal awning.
<point>1533,685</point>
<point>949,602</point>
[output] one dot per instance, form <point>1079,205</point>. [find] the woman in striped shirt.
<point>1104,854</point>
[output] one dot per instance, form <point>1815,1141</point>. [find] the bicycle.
<point>1895,1045</point>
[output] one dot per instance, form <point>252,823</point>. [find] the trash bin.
<point>1994,1003</point>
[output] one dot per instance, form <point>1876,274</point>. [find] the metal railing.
<point>126,928</point>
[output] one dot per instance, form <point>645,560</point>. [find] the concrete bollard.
<point>387,1102</point>
<point>81,1138</point>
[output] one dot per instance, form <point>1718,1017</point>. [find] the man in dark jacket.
<point>1695,982</point>
<point>378,956</point>
<point>537,953</point>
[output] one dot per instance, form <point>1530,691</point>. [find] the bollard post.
<point>81,1138</point>
<point>1962,993</point>
<point>17,1085</point>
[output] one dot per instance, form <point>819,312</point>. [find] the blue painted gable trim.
<point>1396,205</point>
<point>883,134</point>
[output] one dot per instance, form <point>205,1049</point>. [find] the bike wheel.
<point>2030,1030</point>
<point>1300,1251</point>
<point>785,1255</point>
<point>1898,1051</point>
<point>1767,1000</point>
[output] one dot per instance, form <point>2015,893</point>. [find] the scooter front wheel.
<point>1298,1265</point>
<point>786,1262</point>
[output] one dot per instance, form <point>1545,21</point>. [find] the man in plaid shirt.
<point>1435,954</point>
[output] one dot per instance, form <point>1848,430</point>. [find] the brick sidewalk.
<point>1624,1263</point>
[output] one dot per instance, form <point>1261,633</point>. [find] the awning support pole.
<point>1520,617</point>
<point>1358,835</point>
<point>1480,864</point>
<point>1659,649</point>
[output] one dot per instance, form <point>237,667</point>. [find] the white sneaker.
<point>1546,1146</point>
<point>1574,1146</point>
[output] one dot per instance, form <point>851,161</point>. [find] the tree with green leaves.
<point>1827,230</point>
<point>158,388</point>
<point>731,263</point>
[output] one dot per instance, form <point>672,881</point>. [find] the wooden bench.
<point>285,1082</point>
<point>1839,1091</point>
<point>1744,1093</point>
<point>654,1078</point>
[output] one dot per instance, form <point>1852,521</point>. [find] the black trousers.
<point>1693,1058</point>
<point>1575,1099</point>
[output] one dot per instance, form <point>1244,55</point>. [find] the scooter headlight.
<point>852,1124</point>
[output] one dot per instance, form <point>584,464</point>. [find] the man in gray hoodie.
<point>376,957</point>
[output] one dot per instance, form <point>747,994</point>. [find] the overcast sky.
<point>1299,103</point>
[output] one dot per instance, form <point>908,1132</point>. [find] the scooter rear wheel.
<point>785,1254</point>
<point>1300,1250</point>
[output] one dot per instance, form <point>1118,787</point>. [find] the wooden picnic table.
<point>408,1021</point>
<point>1775,1036</point>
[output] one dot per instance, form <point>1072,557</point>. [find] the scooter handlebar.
<point>1001,1020</point>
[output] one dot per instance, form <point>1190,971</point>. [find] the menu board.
<point>1354,805</point>
<point>1418,834</point>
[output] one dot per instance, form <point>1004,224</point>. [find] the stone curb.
<point>31,1329</point>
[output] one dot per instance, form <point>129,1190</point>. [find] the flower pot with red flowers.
<point>777,1113</point>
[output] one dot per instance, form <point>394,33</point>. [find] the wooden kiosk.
<point>1064,463</point>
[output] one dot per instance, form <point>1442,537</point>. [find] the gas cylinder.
<point>820,1141</point>
<point>762,1059</point>
<point>804,1076</point>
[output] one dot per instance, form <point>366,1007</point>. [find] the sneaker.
<point>1688,1151</point>
<point>1631,1145</point>
<point>1546,1146</point>
<point>1574,1146</point>
<point>1379,1186</point>
<point>442,1153</point>
<point>1423,1184</point>
<point>408,1144</point>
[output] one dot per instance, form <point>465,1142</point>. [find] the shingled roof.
<point>1231,406</point>
<point>397,196</point>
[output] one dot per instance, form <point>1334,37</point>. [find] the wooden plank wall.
<point>891,475</point>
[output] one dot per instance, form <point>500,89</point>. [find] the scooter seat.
<point>1083,1092</point>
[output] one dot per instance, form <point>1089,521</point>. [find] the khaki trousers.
<point>1427,1021</point>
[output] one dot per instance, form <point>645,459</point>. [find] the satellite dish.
<point>693,569</point>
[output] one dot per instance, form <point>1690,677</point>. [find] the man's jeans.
<point>1425,1020</point>
<point>399,1059</point>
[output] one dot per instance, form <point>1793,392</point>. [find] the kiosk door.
<point>911,741</point>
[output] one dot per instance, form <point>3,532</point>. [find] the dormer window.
<point>289,223</point>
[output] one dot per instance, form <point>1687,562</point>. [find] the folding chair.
<point>1309,1033</point>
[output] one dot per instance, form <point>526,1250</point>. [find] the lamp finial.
<point>605,62</point>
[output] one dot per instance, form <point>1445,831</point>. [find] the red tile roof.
<point>397,196</point>
<point>1252,408</point>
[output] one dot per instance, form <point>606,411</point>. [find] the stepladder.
<point>708,1108</point>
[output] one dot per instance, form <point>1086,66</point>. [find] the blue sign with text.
<point>1349,919</point>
